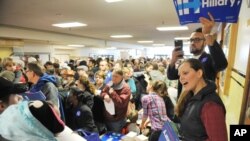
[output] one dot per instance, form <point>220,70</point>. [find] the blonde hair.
<point>126,70</point>
<point>160,88</point>
<point>8,63</point>
<point>100,74</point>
<point>162,70</point>
<point>179,108</point>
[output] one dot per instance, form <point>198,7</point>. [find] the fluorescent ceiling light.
<point>159,45</point>
<point>182,38</point>
<point>173,28</point>
<point>145,42</point>
<point>72,24</point>
<point>110,1</point>
<point>111,48</point>
<point>68,48</point>
<point>76,45</point>
<point>186,43</point>
<point>121,36</point>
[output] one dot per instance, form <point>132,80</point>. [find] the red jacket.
<point>121,99</point>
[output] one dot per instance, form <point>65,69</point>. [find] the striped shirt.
<point>154,108</point>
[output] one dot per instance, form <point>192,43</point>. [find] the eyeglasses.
<point>196,40</point>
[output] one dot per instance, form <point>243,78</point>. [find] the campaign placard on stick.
<point>189,11</point>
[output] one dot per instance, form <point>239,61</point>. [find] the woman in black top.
<point>79,114</point>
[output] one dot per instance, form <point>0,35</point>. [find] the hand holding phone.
<point>179,47</point>
<point>177,53</point>
<point>178,44</point>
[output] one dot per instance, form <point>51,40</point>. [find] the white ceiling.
<point>136,17</point>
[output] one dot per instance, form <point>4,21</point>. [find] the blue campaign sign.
<point>189,11</point>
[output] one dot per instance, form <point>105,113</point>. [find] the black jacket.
<point>192,128</point>
<point>81,118</point>
<point>212,63</point>
<point>98,109</point>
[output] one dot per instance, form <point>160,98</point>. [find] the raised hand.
<point>207,24</point>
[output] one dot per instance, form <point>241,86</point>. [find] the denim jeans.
<point>116,126</point>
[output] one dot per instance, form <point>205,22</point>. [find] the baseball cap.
<point>7,88</point>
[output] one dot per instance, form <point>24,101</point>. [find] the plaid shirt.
<point>154,108</point>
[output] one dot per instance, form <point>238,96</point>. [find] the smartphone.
<point>178,44</point>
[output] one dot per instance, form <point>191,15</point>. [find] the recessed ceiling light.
<point>145,42</point>
<point>110,1</point>
<point>121,36</point>
<point>159,45</point>
<point>74,45</point>
<point>72,24</point>
<point>182,38</point>
<point>173,28</point>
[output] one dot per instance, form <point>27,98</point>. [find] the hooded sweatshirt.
<point>47,84</point>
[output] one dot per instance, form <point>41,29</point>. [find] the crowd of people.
<point>76,94</point>
<point>81,88</point>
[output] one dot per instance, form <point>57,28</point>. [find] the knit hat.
<point>47,115</point>
<point>7,88</point>
<point>8,75</point>
<point>82,67</point>
<point>32,59</point>
<point>19,62</point>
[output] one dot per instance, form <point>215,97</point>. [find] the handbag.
<point>131,108</point>
<point>169,132</point>
<point>89,136</point>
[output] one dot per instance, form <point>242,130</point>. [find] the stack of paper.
<point>130,136</point>
<point>110,107</point>
<point>141,138</point>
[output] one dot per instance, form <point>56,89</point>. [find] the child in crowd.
<point>132,125</point>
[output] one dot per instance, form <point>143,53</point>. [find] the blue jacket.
<point>108,77</point>
<point>132,86</point>
<point>47,84</point>
<point>42,81</point>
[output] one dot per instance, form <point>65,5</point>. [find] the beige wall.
<point>233,101</point>
<point>243,40</point>
<point>5,51</point>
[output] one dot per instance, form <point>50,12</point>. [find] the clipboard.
<point>33,96</point>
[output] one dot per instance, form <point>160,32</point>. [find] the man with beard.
<point>212,63</point>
